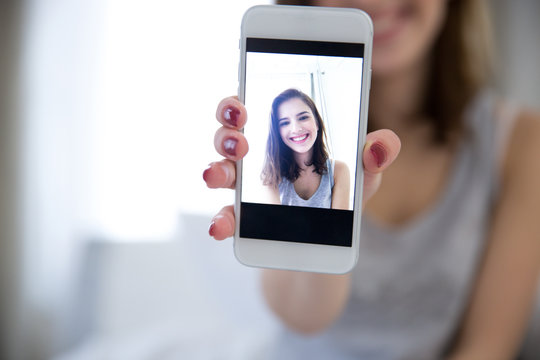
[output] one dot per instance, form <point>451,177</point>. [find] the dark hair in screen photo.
<point>279,161</point>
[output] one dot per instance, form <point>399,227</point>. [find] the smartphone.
<point>304,78</point>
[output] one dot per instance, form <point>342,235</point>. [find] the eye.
<point>284,123</point>
<point>303,117</point>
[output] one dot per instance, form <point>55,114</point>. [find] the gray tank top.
<point>412,282</point>
<point>322,198</point>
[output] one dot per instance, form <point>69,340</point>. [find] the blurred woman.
<point>450,251</point>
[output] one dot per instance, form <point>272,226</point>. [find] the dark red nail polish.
<point>212,228</point>
<point>379,153</point>
<point>205,174</point>
<point>229,145</point>
<point>231,115</point>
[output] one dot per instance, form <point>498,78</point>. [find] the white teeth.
<point>299,138</point>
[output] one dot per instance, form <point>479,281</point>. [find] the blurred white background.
<point>107,124</point>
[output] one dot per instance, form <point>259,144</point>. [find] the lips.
<point>299,139</point>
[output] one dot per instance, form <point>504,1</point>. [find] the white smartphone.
<point>304,77</point>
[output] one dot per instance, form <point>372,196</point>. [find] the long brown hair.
<point>279,162</point>
<point>460,65</point>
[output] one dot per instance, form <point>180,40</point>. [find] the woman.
<point>297,169</point>
<point>450,256</point>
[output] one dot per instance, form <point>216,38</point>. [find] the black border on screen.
<point>295,223</point>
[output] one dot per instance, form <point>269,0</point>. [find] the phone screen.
<point>303,100</point>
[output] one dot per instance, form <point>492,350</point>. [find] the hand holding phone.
<point>301,252</point>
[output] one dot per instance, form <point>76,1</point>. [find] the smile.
<point>299,139</point>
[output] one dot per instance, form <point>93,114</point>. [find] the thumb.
<point>381,149</point>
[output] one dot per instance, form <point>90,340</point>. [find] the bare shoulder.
<point>341,170</point>
<point>340,191</point>
<point>512,255</point>
<point>340,166</point>
<point>522,162</point>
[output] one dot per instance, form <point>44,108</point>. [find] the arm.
<point>340,192</point>
<point>309,302</point>
<point>500,305</point>
<point>305,302</point>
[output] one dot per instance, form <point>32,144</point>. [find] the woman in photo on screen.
<point>297,169</point>
<point>450,251</point>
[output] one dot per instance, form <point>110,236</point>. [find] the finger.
<point>222,225</point>
<point>371,185</point>
<point>230,143</point>
<point>220,174</point>
<point>231,113</point>
<point>381,149</point>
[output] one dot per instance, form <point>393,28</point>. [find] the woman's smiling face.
<point>405,30</point>
<point>297,125</point>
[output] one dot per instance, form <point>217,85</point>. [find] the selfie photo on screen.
<point>304,101</point>
<point>304,113</point>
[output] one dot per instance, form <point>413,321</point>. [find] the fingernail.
<point>379,153</point>
<point>205,173</point>
<point>231,115</point>
<point>229,145</point>
<point>212,228</point>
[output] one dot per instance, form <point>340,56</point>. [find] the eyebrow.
<point>300,113</point>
